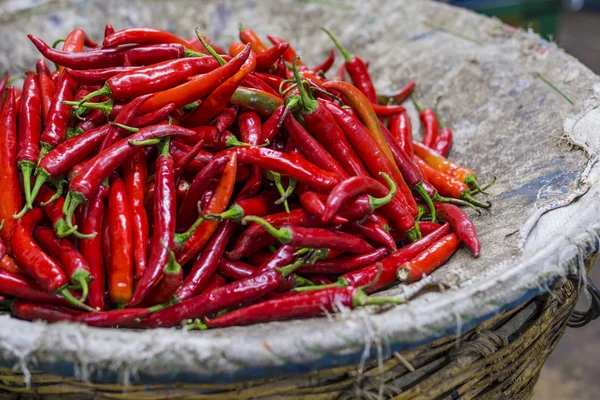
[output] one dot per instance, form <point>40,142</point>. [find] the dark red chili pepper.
<point>266,59</point>
<point>225,118</point>
<point>447,185</point>
<point>193,90</point>
<point>46,86</point>
<point>428,260</point>
<point>57,119</point>
<point>443,142</point>
<point>14,285</point>
<point>325,65</point>
<point>153,78</point>
<point>152,118</point>
<point>401,130</point>
<point>179,151</point>
<point>52,203</point>
<point>370,152</point>
<point>10,188</point>
<point>75,41</point>
<point>429,121</point>
<point>260,205</point>
<point>116,132</point>
<point>91,247</point>
<point>210,135</point>
<point>253,82</point>
<point>219,98</point>
<point>399,95</point>
<point>344,264</point>
<point>373,231</point>
<point>164,224</point>
<point>462,225</point>
<point>87,180</point>
<point>290,54</point>
<point>235,270</point>
<point>120,273</point>
<point>313,204</point>
<point>215,282</point>
<point>357,70</point>
<point>30,311</point>
<point>205,267</point>
<point>217,204</point>
<point>301,305</point>
<point>135,176</point>
<point>108,30</point>
<point>99,76</point>
<point>273,81</point>
<point>313,237</point>
<point>251,133</point>
<point>36,262</point>
<point>171,280</point>
<point>142,36</point>
<point>30,127</point>
<point>72,262</point>
<point>312,149</point>
<point>183,162</point>
<point>106,319</point>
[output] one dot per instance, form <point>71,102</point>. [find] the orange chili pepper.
<point>428,260</point>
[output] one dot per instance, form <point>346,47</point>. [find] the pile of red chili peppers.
<point>152,181</point>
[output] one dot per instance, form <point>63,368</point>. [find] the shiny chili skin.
<point>193,90</point>
<point>97,76</point>
<point>153,118</point>
<point>24,288</point>
<point>108,30</point>
<point>91,248</point>
<point>300,305</point>
<point>266,59</point>
<point>312,149</point>
<point>462,225</point>
<point>256,237</point>
<point>271,126</point>
<point>429,121</point>
<point>74,43</point>
<point>215,282</point>
<point>210,135</point>
<point>107,319</point>
<point>389,265</point>
<point>248,36</point>
<point>155,77</point>
<point>219,98</point>
<point>180,150</point>
<point>31,311</point>
<point>399,95</point>
<point>370,153</point>
<point>39,265</point>
<point>260,205</point>
<point>10,187</point>
<point>442,164</point>
<point>217,204</point>
<point>251,133</point>
<point>124,118</point>
<point>93,172</point>
<point>429,259</point>
<point>357,70</point>
<point>217,299</point>
<point>348,189</point>
<point>164,223</point>
<point>110,57</point>
<point>344,264</point>
<point>443,142</point>
<point>312,203</point>
<point>373,231</point>
<point>273,81</point>
<point>135,176</point>
<point>46,86</point>
<point>206,266</point>
<point>171,280</point>
<point>260,101</point>
<point>426,228</point>
<point>446,185</point>
<point>401,130</point>
<point>226,118</point>
<point>74,265</point>
<point>235,270</point>
<point>29,130</point>
<point>120,274</point>
<point>290,54</point>
<point>183,162</point>
<point>387,111</point>
<point>142,36</point>
<point>57,119</point>
<point>53,209</point>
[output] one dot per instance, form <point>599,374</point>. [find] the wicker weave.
<point>500,358</point>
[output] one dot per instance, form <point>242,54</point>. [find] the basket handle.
<point>579,319</point>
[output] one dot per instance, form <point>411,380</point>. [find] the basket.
<point>501,90</point>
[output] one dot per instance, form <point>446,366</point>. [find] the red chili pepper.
<point>462,225</point>
<point>164,224</point>
<point>206,266</point>
<point>72,262</point>
<point>153,78</point>
<point>313,204</point>
<point>251,133</point>
<point>428,260</point>
<point>3,85</point>
<point>14,285</point>
<point>426,227</point>
<point>340,74</point>
<point>135,176</point>
<point>116,132</point>
<point>387,111</point>
<point>399,95</point>
<point>31,311</point>
<point>266,59</point>
<point>344,264</point>
<point>370,153</point>
<point>248,36</point>
<point>357,70</point>
<point>107,319</point>
<point>57,119</point>
<point>235,270</point>
<point>195,89</point>
<point>443,143</point>
<point>373,231</point>
<point>325,65</point>
<point>313,237</point>
<point>290,54</point>
<point>260,205</point>
<point>30,127</point>
<point>108,30</point>
<point>111,57</point>
<point>401,130</point>
<point>429,121</point>
<point>75,41</point>
<point>100,76</point>
<point>262,102</point>
<point>183,162</point>
<point>91,248</point>
<point>93,172</point>
<point>273,81</point>
<point>226,118</point>
<point>301,305</point>
<point>142,36</point>
<point>120,274</point>
<point>52,203</point>
<point>172,277</point>
<point>447,185</point>
<point>210,135</point>
<point>217,204</point>
<point>38,264</point>
<point>10,188</point>
<point>179,151</point>
<point>219,98</point>
<point>153,118</point>
<point>215,282</point>
<point>253,82</point>
<point>46,86</point>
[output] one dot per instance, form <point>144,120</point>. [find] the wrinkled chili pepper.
<point>428,260</point>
